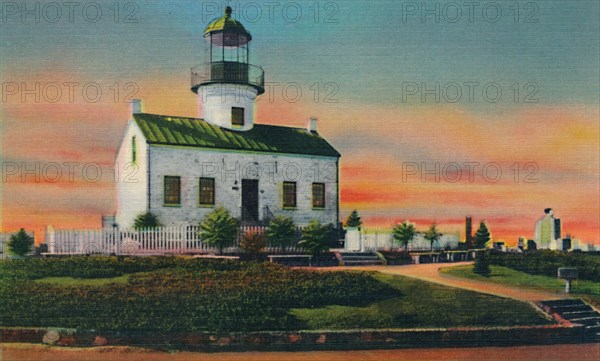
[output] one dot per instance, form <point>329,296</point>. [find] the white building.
<point>182,168</point>
<point>547,231</point>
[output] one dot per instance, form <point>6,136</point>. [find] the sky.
<point>440,109</point>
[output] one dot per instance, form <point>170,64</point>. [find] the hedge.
<point>547,262</point>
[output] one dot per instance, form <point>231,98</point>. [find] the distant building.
<point>469,231</point>
<point>547,230</point>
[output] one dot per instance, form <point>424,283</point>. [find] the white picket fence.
<point>159,241</point>
<point>372,240</point>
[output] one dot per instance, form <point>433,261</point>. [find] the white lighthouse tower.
<point>226,83</point>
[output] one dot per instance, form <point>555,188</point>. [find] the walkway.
<point>586,352</point>
<point>430,272</point>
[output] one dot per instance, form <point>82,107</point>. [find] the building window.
<point>172,191</point>
<point>237,116</point>
<point>133,149</point>
<point>207,191</point>
<point>318,195</point>
<point>289,194</point>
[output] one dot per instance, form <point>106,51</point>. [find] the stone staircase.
<point>359,259</point>
<point>576,312</point>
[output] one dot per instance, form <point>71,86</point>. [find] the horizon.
<point>386,94</point>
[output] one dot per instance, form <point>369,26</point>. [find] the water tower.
<point>226,83</point>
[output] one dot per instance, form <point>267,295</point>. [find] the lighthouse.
<point>226,83</point>
<point>189,166</point>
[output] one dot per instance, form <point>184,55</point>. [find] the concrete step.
<point>579,314</point>
<point>570,301</point>
<point>359,257</point>
<point>362,262</point>
<point>589,321</point>
<point>571,308</point>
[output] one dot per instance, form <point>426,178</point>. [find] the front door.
<point>249,200</point>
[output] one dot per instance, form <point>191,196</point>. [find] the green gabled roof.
<point>166,130</point>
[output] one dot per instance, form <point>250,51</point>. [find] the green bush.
<point>482,265</point>
<point>20,243</point>
<point>547,262</point>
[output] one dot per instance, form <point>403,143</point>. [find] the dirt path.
<point>586,352</point>
<point>430,272</point>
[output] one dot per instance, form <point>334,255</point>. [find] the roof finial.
<point>228,11</point>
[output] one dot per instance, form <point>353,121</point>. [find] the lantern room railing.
<point>228,72</point>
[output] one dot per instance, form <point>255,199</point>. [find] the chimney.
<point>312,125</point>
<point>136,106</point>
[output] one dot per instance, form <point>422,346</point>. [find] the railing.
<point>382,240</point>
<point>228,72</point>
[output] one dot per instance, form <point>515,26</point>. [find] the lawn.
<point>71,281</point>
<point>182,295</point>
<point>423,305</point>
<point>508,276</point>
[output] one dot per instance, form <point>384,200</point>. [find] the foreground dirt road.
<point>430,272</point>
<point>588,352</point>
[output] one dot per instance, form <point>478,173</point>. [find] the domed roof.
<point>226,23</point>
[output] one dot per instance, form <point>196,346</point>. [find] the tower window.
<point>289,194</point>
<point>318,195</point>
<point>207,191</point>
<point>133,149</point>
<point>237,116</point>
<point>172,191</point>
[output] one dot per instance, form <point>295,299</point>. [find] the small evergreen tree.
<point>20,243</point>
<point>482,237</point>
<point>404,233</point>
<point>317,238</point>
<point>146,220</point>
<point>432,235</point>
<point>353,220</point>
<point>281,232</point>
<point>482,265</point>
<point>219,229</point>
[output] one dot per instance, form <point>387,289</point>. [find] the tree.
<point>404,233</point>
<point>146,220</point>
<point>432,235</point>
<point>20,243</point>
<point>482,237</point>
<point>353,220</point>
<point>281,232</point>
<point>252,243</point>
<point>482,265</point>
<point>317,238</point>
<point>219,229</point>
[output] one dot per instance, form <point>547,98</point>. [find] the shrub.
<point>20,243</point>
<point>397,258</point>
<point>547,262</point>
<point>281,232</point>
<point>253,242</point>
<point>482,265</point>
<point>146,221</point>
<point>317,238</point>
<point>404,233</point>
<point>353,219</point>
<point>219,229</point>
